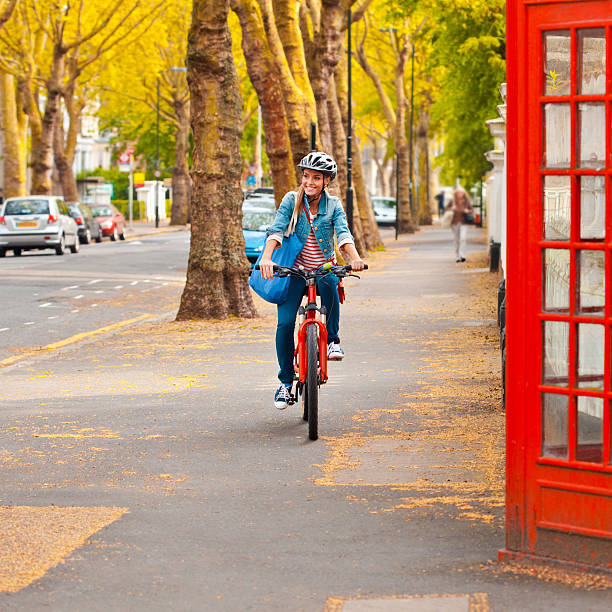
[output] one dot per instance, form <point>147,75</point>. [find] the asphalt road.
<point>46,298</point>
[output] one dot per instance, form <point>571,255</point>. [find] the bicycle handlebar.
<point>339,271</point>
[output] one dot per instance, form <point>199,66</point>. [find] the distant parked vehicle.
<point>88,226</point>
<point>255,222</point>
<point>259,201</point>
<point>385,210</point>
<point>111,221</point>
<point>268,191</point>
<point>37,222</point>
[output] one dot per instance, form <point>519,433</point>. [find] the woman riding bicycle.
<point>316,233</point>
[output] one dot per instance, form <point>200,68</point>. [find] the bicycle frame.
<point>311,319</point>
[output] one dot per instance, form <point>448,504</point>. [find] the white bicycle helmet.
<point>321,162</point>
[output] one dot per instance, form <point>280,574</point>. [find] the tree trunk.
<point>181,181</point>
<point>402,147</point>
<point>218,271</point>
<point>64,145</point>
<point>286,14</point>
<point>264,76</point>
<point>298,107</point>
<point>325,55</point>
<point>14,142</point>
<point>422,144</point>
<point>338,137</point>
<point>42,153</point>
<point>363,204</point>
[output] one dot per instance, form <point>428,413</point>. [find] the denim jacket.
<point>329,217</point>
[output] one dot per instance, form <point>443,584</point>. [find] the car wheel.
<point>60,249</point>
<point>114,234</point>
<point>2,252</point>
<point>87,236</point>
<point>74,248</point>
<point>17,252</point>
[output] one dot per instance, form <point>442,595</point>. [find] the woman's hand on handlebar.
<point>266,266</point>
<point>357,265</point>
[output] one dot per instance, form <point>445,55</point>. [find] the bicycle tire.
<point>312,382</point>
<point>304,403</point>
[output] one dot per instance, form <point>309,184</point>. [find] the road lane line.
<point>134,283</point>
<point>30,323</point>
<point>119,286</point>
<point>93,282</point>
<point>45,305</point>
<point>78,297</point>
<point>53,317</point>
<point>101,331</point>
<point>71,287</point>
<point>74,311</point>
<point>4,329</point>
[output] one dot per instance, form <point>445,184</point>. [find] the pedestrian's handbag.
<point>469,218</point>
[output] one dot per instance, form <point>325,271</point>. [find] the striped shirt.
<point>311,256</point>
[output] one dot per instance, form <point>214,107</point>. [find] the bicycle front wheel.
<point>312,382</point>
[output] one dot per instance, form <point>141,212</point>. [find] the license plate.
<point>27,224</point>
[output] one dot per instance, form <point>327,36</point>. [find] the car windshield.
<point>27,207</point>
<point>384,204</point>
<point>101,211</point>
<point>257,221</point>
<point>260,202</point>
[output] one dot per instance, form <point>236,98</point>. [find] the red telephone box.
<point>559,280</point>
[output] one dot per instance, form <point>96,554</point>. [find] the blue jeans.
<point>287,311</point>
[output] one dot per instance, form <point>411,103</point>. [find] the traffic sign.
<point>124,158</point>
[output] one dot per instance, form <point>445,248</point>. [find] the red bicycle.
<point>310,360</point>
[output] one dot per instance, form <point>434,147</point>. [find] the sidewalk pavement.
<point>140,228</point>
<point>148,470</point>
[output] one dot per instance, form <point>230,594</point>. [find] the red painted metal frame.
<point>528,473</point>
<point>300,351</point>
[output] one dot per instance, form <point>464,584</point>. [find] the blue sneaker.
<point>282,396</point>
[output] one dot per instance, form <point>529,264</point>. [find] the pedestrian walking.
<point>440,199</point>
<point>461,207</point>
<point>313,216</point>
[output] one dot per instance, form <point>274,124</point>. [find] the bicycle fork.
<point>300,351</point>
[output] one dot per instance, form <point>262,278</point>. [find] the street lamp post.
<point>349,132</point>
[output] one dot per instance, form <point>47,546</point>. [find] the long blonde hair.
<point>299,199</point>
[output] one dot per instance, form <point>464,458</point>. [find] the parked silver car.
<point>37,222</point>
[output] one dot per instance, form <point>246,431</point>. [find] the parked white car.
<point>385,210</point>
<point>37,222</point>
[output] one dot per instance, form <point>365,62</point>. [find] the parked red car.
<point>111,220</point>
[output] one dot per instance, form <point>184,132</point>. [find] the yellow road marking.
<point>73,339</point>
<point>34,539</point>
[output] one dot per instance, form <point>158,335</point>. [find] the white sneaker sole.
<point>280,405</point>
<point>335,357</point>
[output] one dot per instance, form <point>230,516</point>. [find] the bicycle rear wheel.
<point>312,382</point>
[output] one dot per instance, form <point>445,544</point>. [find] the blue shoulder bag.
<point>276,289</point>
